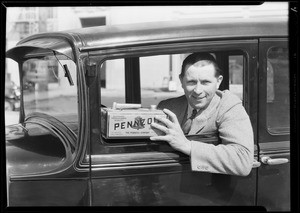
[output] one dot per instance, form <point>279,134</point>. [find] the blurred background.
<point>26,21</point>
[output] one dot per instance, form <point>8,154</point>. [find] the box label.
<point>129,123</point>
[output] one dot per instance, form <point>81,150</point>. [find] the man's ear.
<point>219,80</point>
<point>180,78</point>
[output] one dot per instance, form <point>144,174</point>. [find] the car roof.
<point>102,37</point>
<point>116,36</point>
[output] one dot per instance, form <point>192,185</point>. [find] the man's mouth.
<point>198,98</point>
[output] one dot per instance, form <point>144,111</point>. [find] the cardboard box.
<point>128,123</point>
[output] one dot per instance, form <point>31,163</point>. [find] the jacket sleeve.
<point>234,155</point>
<point>161,105</point>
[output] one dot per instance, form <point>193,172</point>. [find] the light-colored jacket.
<point>226,117</point>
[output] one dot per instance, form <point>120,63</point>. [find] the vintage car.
<point>57,155</point>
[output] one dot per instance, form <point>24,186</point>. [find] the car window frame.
<point>248,46</point>
<point>265,135</point>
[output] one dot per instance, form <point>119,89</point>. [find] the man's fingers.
<point>160,127</point>
<point>165,121</point>
<point>159,138</point>
<point>158,132</point>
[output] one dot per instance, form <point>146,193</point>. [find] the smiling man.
<point>205,110</point>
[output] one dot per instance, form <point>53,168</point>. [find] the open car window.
<point>158,79</point>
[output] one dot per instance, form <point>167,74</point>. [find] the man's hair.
<point>205,58</point>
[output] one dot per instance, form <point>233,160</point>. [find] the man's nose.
<point>198,88</point>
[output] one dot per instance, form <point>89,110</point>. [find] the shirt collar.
<point>207,110</point>
<point>190,110</point>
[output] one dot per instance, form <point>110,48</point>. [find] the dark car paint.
<point>274,186</point>
<point>60,192</point>
<point>165,171</point>
<point>35,154</point>
<point>42,144</point>
<point>180,188</point>
<point>275,180</point>
<point>161,179</point>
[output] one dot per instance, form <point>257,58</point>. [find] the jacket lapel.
<point>198,124</point>
<point>201,120</point>
<point>181,110</point>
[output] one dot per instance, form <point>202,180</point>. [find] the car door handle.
<point>269,161</point>
<point>256,164</point>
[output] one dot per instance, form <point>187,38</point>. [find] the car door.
<point>274,125</point>
<point>43,151</point>
<point>132,171</point>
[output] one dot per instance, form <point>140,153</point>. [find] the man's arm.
<point>235,154</point>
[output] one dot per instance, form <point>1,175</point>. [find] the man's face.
<point>200,84</point>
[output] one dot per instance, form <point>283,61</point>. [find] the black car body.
<point>61,159</point>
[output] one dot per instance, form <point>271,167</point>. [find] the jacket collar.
<point>182,110</point>
<point>201,119</point>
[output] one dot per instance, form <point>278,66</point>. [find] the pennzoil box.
<point>128,123</point>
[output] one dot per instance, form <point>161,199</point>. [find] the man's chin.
<point>198,106</point>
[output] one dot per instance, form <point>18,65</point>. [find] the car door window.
<point>112,82</point>
<point>141,163</point>
<point>160,76</point>
<point>236,74</point>
<point>278,103</point>
<point>46,87</point>
<point>159,80</point>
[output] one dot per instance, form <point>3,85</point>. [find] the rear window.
<point>278,94</point>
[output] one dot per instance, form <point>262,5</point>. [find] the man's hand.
<point>173,133</point>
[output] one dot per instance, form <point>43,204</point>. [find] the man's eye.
<point>205,82</point>
<point>191,82</point>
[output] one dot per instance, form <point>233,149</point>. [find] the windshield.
<point>47,86</point>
